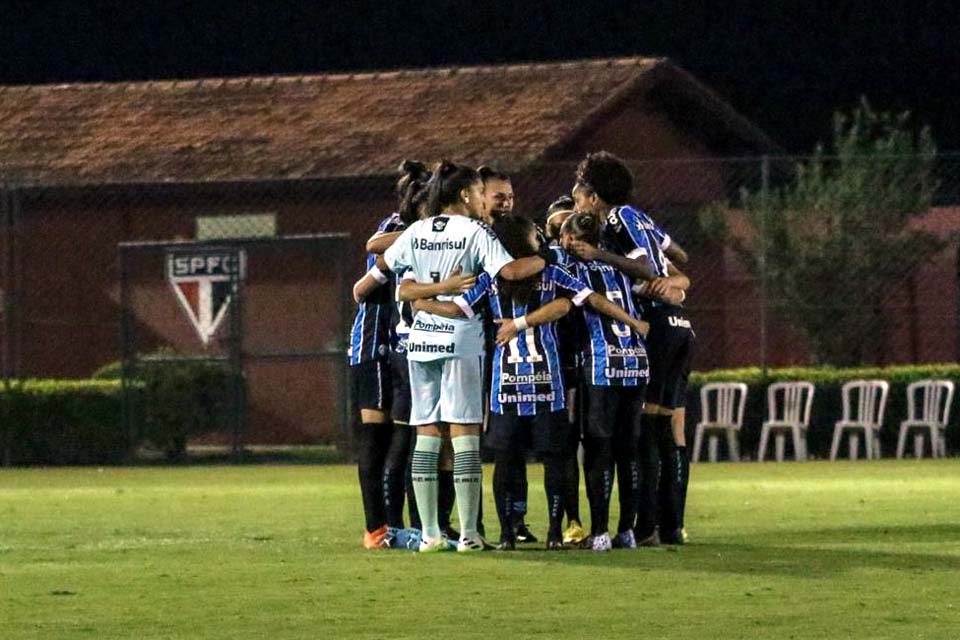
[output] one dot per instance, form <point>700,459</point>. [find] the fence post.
<point>6,212</point>
<point>764,212</point>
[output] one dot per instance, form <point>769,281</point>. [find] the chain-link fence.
<point>793,260</point>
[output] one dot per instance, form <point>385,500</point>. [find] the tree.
<point>833,243</point>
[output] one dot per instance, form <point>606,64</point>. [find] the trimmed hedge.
<point>66,422</point>
<point>827,403</point>
<point>178,399</point>
<point>59,422</point>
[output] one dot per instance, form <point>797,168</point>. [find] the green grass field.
<point>817,550</point>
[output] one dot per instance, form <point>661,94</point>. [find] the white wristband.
<point>377,274</point>
<point>521,323</point>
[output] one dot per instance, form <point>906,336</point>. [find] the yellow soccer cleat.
<point>574,533</point>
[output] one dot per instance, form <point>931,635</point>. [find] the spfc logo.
<point>205,282</point>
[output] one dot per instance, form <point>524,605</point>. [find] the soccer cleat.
<point>506,545</point>
<point>652,540</point>
<point>554,543</point>
<point>471,545</point>
<point>574,533</point>
<point>524,534</point>
<point>676,537</point>
<point>683,535</point>
<point>408,539</point>
<point>601,542</point>
<point>451,533</point>
<point>625,540</point>
<point>435,545</point>
<point>376,539</point>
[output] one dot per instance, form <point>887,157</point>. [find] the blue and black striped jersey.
<point>370,336</point>
<point>526,375</point>
<point>633,233</point>
<point>612,353</point>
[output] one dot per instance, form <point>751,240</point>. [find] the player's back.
<point>612,353</point>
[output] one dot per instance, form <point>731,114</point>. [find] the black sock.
<point>628,482</point>
<point>553,482</point>
<point>372,442</point>
<point>571,476</point>
<point>599,462</point>
<point>504,485</point>
<point>649,460</point>
<point>445,497</point>
<point>408,483</point>
<point>684,481</point>
<point>394,473</point>
<point>671,481</point>
<point>519,491</point>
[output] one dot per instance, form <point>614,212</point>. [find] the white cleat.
<point>602,542</point>
<point>625,540</point>
<point>434,545</point>
<point>471,545</point>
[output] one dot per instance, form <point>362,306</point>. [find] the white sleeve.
<point>400,254</point>
<point>491,253</point>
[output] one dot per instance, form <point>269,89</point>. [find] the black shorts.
<point>400,379</point>
<point>371,384</point>
<point>543,433</point>
<point>669,351</point>
<point>614,413</point>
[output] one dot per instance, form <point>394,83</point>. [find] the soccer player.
<point>497,194</point>
<point>603,187</point>
<point>371,381</point>
<point>527,399</point>
<point>397,466</point>
<point>445,356</point>
<point>557,213</point>
<point>615,369</point>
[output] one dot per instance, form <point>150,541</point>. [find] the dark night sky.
<point>784,64</point>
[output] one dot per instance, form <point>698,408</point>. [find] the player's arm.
<point>612,310</point>
<point>439,308</point>
<point>676,253</point>
<point>671,289</point>
<point>456,282</point>
<point>522,268</point>
<point>550,312</point>
<point>370,282</point>
<point>380,242</point>
<point>637,268</point>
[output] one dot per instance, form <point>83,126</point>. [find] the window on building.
<point>252,225</point>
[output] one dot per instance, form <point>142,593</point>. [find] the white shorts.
<point>448,390</point>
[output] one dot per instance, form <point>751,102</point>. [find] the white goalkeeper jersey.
<point>432,249</point>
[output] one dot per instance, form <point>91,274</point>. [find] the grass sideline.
<point>817,550</point>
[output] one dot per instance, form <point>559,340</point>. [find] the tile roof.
<point>333,125</point>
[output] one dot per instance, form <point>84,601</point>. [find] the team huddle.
<point>549,339</point>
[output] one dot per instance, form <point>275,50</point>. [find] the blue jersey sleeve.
<point>472,301</point>
<point>569,284</point>
<point>629,232</point>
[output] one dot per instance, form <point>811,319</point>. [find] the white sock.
<point>426,458</point>
<point>467,479</point>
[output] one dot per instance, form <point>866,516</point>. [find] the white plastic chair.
<point>871,403</point>
<point>724,415</point>
<point>935,397</point>
<point>792,415</point>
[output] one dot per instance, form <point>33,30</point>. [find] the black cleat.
<point>555,544</point>
<point>524,535</point>
<point>674,537</point>
<point>506,545</point>
<point>649,540</point>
